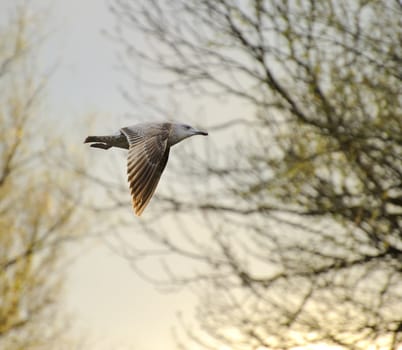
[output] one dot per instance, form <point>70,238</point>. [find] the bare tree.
<point>299,220</point>
<point>38,200</point>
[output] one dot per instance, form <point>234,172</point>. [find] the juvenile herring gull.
<point>148,147</point>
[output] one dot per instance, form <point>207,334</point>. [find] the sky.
<point>86,77</point>
<point>110,306</point>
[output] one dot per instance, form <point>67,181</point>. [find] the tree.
<point>39,201</point>
<point>301,214</point>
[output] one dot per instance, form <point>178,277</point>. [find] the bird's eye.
<point>187,127</point>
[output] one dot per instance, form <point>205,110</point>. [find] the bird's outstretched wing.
<point>147,158</point>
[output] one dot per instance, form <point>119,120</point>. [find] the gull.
<point>148,147</point>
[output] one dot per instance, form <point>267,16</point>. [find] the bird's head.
<point>180,132</point>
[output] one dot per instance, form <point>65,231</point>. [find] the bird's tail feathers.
<point>101,145</point>
<point>99,141</point>
<point>94,139</point>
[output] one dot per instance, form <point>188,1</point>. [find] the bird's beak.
<point>200,132</point>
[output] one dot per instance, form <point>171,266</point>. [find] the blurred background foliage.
<point>39,199</point>
<point>293,217</point>
<point>287,225</point>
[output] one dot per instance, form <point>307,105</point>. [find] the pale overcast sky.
<point>111,307</point>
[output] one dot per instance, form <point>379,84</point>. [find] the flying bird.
<point>148,147</point>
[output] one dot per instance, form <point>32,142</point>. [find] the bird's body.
<point>148,147</point>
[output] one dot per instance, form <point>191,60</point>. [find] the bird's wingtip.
<point>138,211</point>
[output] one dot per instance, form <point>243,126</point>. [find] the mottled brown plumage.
<point>148,152</point>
